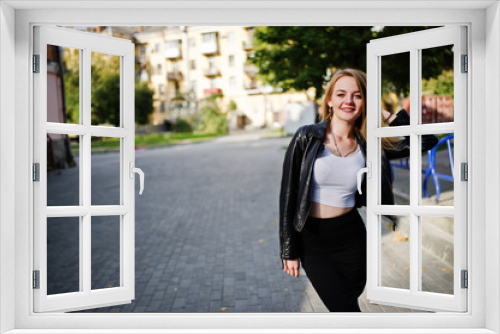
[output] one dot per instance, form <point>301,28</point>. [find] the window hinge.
<point>36,279</point>
<point>465,64</point>
<point>36,172</point>
<point>36,63</point>
<point>465,171</point>
<point>465,279</point>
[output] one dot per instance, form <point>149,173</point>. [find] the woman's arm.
<point>289,238</point>
<point>403,118</point>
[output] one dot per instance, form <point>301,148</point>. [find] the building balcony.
<point>212,91</point>
<point>251,70</point>
<point>174,76</point>
<point>251,88</point>
<point>211,72</point>
<point>248,45</point>
<point>209,48</point>
<point>173,53</point>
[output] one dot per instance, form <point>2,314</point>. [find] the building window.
<point>142,50</point>
<point>161,89</point>
<point>193,86</point>
<point>172,44</point>
<point>193,64</point>
<point>209,38</point>
<point>159,69</point>
<point>211,63</point>
<point>232,82</point>
<point>192,42</point>
<point>230,37</point>
<point>213,83</point>
<point>231,60</point>
<point>162,107</point>
<point>251,33</point>
<point>251,54</point>
<point>157,48</point>
<point>175,66</point>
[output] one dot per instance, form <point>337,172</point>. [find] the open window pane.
<point>437,85</point>
<point>428,270</point>
<point>398,173</point>
<point>395,253</point>
<point>63,85</point>
<point>63,152</point>
<point>105,166</point>
<point>105,89</point>
<point>395,81</point>
<point>437,254</point>
<point>105,251</point>
<point>63,170</point>
<point>437,172</point>
<point>63,255</point>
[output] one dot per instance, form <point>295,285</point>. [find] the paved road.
<point>206,231</point>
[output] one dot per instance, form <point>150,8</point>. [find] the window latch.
<point>367,170</point>
<point>133,170</point>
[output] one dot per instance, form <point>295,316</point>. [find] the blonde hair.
<point>388,143</point>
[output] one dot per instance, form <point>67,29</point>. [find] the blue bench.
<point>431,166</point>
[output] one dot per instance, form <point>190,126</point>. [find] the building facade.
<point>185,65</point>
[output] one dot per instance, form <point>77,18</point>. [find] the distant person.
<point>319,222</point>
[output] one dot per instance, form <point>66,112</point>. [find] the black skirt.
<point>334,259</point>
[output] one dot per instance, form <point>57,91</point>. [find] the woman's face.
<point>346,100</point>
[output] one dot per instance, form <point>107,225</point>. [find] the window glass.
<point>105,89</point>
<point>63,80</point>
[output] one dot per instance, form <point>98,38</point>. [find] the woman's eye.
<point>357,96</point>
<point>340,95</point>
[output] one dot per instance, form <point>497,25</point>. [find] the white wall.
<point>7,160</point>
<point>484,117</point>
<point>492,163</point>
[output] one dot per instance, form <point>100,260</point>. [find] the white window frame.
<point>414,43</point>
<point>85,211</point>
<point>483,20</point>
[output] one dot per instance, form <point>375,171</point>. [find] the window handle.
<point>367,170</point>
<point>133,170</point>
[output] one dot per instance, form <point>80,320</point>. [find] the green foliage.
<point>106,100</point>
<point>143,103</point>
<point>182,125</point>
<point>71,79</point>
<point>297,58</point>
<point>210,118</point>
<point>105,89</point>
<point>442,85</point>
<point>232,106</point>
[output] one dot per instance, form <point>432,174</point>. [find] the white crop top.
<point>334,179</point>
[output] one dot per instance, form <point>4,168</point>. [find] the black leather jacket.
<point>302,151</point>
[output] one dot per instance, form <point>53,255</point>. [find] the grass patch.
<point>151,140</point>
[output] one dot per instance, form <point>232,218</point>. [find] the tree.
<point>143,103</point>
<point>105,89</point>
<point>298,58</point>
<point>106,100</point>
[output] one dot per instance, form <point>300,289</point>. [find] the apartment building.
<point>185,65</point>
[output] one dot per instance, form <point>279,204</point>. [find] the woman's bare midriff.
<point>319,210</point>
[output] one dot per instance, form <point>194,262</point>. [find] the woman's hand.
<point>291,267</point>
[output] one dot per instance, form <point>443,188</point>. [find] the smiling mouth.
<point>348,110</point>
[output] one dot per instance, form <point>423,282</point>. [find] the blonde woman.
<point>320,226</point>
